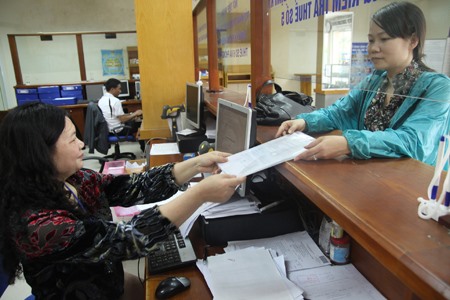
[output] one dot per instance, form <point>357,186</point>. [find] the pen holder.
<point>430,209</point>
<point>436,205</point>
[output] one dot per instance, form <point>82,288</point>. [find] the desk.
<point>375,201</point>
<point>78,111</point>
<point>199,289</point>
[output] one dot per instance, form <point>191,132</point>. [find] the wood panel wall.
<point>166,58</point>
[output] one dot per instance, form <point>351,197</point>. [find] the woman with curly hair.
<point>56,223</point>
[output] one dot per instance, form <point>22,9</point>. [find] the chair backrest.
<point>96,129</point>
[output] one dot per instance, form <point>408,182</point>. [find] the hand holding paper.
<point>266,155</point>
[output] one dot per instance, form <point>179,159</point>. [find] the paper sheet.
<point>164,149</point>
<point>246,274</point>
<point>298,248</point>
<point>266,155</point>
<point>334,282</point>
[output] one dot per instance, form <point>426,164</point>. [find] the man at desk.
<point>112,110</point>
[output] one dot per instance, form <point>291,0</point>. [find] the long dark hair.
<point>403,19</point>
<point>28,178</point>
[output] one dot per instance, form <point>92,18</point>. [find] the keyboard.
<point>172,253</point>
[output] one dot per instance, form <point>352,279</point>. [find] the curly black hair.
<point>28,177</point>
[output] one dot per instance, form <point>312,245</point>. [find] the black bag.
<point>276,108</point>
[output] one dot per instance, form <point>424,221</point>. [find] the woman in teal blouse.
<point>401,109</point>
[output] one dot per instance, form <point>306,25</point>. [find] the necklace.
<point>75,196</point>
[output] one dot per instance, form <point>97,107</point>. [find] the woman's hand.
<point>217,188</point>
<point>207,163</point>
<point>325,147</point>
<point>288,127</point>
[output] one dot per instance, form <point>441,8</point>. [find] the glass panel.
<point>304,48</point>
<point>54,61</point>
<point>202,41</point>
<point>93,44</point>
<point>294,39</point>
<point>337,45</point>
<point>233,34</point>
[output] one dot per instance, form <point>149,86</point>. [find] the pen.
<point>440,159</point>
<point>447,191</point>
<point>269,206</point>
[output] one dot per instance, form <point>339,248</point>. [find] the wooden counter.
<point>375,201</point>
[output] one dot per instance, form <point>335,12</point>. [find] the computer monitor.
<point>235,130</point>
<point>125,89</point>
<point>194,107</point>
<point>94,91</point>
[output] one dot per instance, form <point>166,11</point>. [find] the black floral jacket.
<point>68,257</point>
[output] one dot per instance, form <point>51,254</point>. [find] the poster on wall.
<point>112,62</point>
<point>361,64</point>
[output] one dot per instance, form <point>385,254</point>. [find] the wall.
<point>28,16</point>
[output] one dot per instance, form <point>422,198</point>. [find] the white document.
<point>334,282</point>
<point>266,155</point>
<point>186,131</point>
<point>246,274</point>
<point>298,249</point>
<point>233,207</point>
<point>164,149</point>
<point>185,228</point>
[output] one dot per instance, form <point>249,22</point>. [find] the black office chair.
<point>97,136</point>
<point>115,139</point>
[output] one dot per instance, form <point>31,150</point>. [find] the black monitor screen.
<point>125,88</point>
<point>194,105</point>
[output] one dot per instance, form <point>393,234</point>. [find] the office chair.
<point>97,136</point>
<point>115,139</point>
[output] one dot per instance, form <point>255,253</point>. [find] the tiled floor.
<point>21,290</point>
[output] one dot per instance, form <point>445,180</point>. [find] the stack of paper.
<point>248,274</point>
<point>310,270</point>
<point>233,207</point>
<point>298,248</point>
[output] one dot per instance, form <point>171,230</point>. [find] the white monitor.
<point>125,88</point>
<point>235,130</point>
<point>194,106</point>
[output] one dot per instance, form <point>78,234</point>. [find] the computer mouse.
<point>171,286</point>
